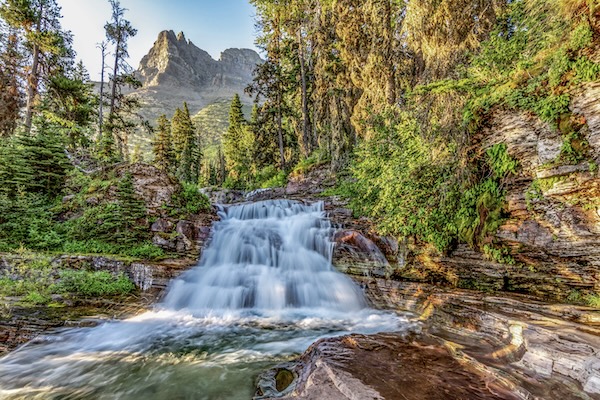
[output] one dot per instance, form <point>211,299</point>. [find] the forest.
<point>391,96</point>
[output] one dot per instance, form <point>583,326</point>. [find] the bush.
<point>94,284</point>
<point>190,201</point>
<point>146,250</point>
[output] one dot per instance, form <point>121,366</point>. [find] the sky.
<point>212,25</point>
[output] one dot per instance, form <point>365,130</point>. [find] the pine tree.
<point>11,95</point>
<point>131,214</point>
<point>119,126</point>
<point>232,138</point>
<point>46,42</point>
<point>162,149</point>
<point>69,105</point>
<point>186,146</point>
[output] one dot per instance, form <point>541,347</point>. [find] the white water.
<point>263,291</point>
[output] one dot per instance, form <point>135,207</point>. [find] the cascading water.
<point>267,256</point>
<point>263,291</point>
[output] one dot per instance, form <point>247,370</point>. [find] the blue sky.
<point>213,25</point>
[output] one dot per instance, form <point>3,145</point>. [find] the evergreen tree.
<point>11,94</point>
<point>186,146</point>
<point>33,163</point>
<point>45,41</point>
<point>69,105</point>
<point>44,153</point>
<point>163,153</point>
<point>119,126</point>
<point>131,213</point>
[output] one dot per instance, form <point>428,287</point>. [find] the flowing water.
<point>263,291</point>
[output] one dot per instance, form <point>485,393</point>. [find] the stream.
<point>263,291</point>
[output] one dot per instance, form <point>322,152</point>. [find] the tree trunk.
<point>101,109</point>
<point>33,78</point>
<point>306,137</point>
<point>280,135</point>
<point>113,94</point>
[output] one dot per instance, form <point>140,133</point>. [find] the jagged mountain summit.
<point>176,70</point>
<point>175,61</point>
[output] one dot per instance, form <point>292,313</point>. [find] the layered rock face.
<point>552,230</point>
<point>176,70</point>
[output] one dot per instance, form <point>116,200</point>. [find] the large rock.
<point>385,366</point>
<point>538,345</point>
<point>154,186</point>
<point>356,254</point>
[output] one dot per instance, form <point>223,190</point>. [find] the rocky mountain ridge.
<point>174,61</point>
<point>175,71</point>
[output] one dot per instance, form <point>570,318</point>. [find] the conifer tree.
<point>132,212</point>
<point>11,95</point>
<point>181,125</point>
<point>186,146</point>
<point>118,32</point>
<point>44,39</point>
<point>162,149</point>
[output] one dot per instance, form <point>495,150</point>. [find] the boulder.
<point>162,225</point>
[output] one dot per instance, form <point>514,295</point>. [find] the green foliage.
<point>406,182</point>
<point>500,162</point>
<point>318,158</point>
<point>27,220</point>
<point>93,284</point>
<point>190,201</point>
<point>574,148</point>
<point>239,147</point>
<point>532,58</point>
<point>593,300</point>
<point>501,255</point>
<point>280,179</point>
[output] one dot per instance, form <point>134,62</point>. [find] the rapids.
<point>263,291</point>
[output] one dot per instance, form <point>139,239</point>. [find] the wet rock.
<point>556,346</point>
<point>223,196</point>
<point>356,254</point>
<point>141,275</point>
<point>385,366</point>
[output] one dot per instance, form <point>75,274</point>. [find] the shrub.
<point>189,200</point>
<point>94,284</point>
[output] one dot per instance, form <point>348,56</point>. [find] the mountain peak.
<point>176,62</point>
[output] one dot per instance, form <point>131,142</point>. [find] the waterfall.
<point>270,255</point>
<point>263,291</point>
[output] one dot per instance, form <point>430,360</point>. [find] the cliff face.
<point>551,236</point>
